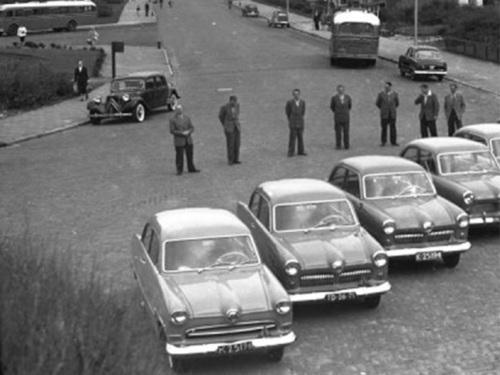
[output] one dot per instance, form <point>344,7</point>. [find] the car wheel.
<point>451,260</point>
<point>139,112</point>
<point>402,72</point>
<point>94,120</point>
<point>71,26</point>
<point>176,364</point>
<point>12,30</point>
<point>276,355</point>
<point>413,76</point>
<point>333,61</point>
<point>372,302</point>
<point>440,78</point>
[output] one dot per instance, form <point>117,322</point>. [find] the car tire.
<point>139,113</point>
<point>71,26</point>
<point>402,72</point>
<point>372,302</point>
<point>413,76</point>
<point>176,364</point>
<point>333,61</point>
<point>276,355</point>
<point>440,78</point>
<point>94,120</point>
<point>451,260</point>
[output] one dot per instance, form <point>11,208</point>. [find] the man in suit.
<point>429,111</point>
<point>341,105</point>
<point>182,128</point>
<point>81,78</point>
<point>454,108</point>
<point>388,102</point>
<point>295,110</point>
<point>229,118</point>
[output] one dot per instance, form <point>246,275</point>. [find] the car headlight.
<point>380,259</point>
<point>463,220</point>
<point>126,97</point>
<point>97,99</point>
<point>284,307</point>
<point>389,227</point>
<point>179,317</point>
<point>428,226</point>
<point>291,268</point>
<point>468,198</point>
<point>338,265</point>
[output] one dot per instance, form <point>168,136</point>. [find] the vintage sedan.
<point>397,203</point>
<point>202,278</point>
<point>464,172</point>
<point>133,96</point>
<point>250,10</point>
<point>487,134</point>
<point>308,234</point>
<point>422,61</point>
<point>279,18</point>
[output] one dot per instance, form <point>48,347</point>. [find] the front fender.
<point>95,107</point>
<point>450,190</point>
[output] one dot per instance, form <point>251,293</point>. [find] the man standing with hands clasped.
<point>388,102</point>
<point>229,118</point>
<point>295,110</point>
<point>454,108</point>
<point>429,111</point>
<point>341,105</point>
<point>182,128</point>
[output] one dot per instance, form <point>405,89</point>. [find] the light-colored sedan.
<point>487,134</point>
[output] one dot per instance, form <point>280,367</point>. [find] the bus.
<point>355,35</point>
<point>56,15</point>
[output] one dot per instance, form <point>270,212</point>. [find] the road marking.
<point>223,89</point>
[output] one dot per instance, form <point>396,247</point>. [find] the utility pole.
<point>288,10</point>
<point>416,22</point>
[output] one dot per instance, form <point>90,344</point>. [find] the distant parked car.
<point>464,172</point>
<point>397,203</point>
<point>250,10</point>
<point>487,134</point>
<point>309,235</point>
<point>202,278</point>
<point>420,61</point>
<point>133,96</point>
<point>279,18</point>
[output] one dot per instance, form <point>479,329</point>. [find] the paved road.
<point>89,189</point>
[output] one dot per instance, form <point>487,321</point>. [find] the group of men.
<point>341,104</point>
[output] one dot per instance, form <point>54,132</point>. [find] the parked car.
<point>422,61</point>
<point>309,235</point>
<point>487,134</point>
<point>397,203</point>
<point>279,18</point>
<point>133,96</point>
<point>250,10</point>
<point>202,278</point>
<point>464,172</point>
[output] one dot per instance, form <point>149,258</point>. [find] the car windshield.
<point>396,185</point>
<point>313,215</point>
<point>428,54</point>
<point>202,253</point>
<point>251,7</point>
<point>467,162</point>
<point>495,147</point>
<point>281,16</point>
<point>127,85</point>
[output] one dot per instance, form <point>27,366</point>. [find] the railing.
<point>482,51</point>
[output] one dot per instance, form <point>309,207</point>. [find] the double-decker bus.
<point>355,35</point>
<point>56,15</point>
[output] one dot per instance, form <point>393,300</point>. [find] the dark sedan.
<point>420,61</point>
<point>250,10</point>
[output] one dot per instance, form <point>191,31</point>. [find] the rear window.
<point>356,28</point>
<point>428,54</point>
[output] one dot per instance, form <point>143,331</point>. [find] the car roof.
<point>438,145</point>
<point>187,223</point>
<point>369,164</point>
<point>144,74</point>
<point>484,130</point>
<point>299,190</point>
<point>357,16</point>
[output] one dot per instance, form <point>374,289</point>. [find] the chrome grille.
<point>480,207</point>
<point>316,280</point>
<point>231,330</point>
<point>351,276</point>
<point>434,236</point>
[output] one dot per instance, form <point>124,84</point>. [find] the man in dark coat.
<point>182,128</point>
<point>341,105</point>
<point>295,110</point>
<point>429,111</point>
<point>229,118</point>
<point>388,102</point>
<point>81,78</point>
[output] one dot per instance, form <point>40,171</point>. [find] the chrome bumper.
<point>360,292</point>
<point>430,72</point>
<point>445,249</point>
<point>484,219</point>
<point>261,343</point>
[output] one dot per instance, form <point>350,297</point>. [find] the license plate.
<point>429,256</point>
<point>235,348</point>
<point>340,297</point>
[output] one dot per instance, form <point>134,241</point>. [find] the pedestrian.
<point>429,110</point>
<point>229,118</point>
<point>93,37</point>
<point>454,108</point>
<point>146,9</point>
<point>161,4</point>
<point>22,31</point>
<point>317,17</point>
<point>181,128</point>
<point>295,112</point>
<point>341,105</point>
<point>388,102</point>
<point>170,3</point>
<point>138,10</point>
<point>229,4</point>
<point>81,79</point>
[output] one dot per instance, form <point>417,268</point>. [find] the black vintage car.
<point>422,61</point>
<point>250,10</point>
<point>132,96</point>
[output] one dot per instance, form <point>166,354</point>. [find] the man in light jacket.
<point>454,108</point>
<point>182,128</point>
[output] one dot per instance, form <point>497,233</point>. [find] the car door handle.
<point>143,261</point>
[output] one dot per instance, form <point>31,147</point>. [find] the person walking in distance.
<point>295,110</point>
<point>388,102</point>
<point>22,31</point>
<point>181,128</point>
<point>454,108</point>
<point>429,110</point>
<point>341,105</point>
<point>81,77</point>
<point>146,8</point>
<point>229,118</point>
